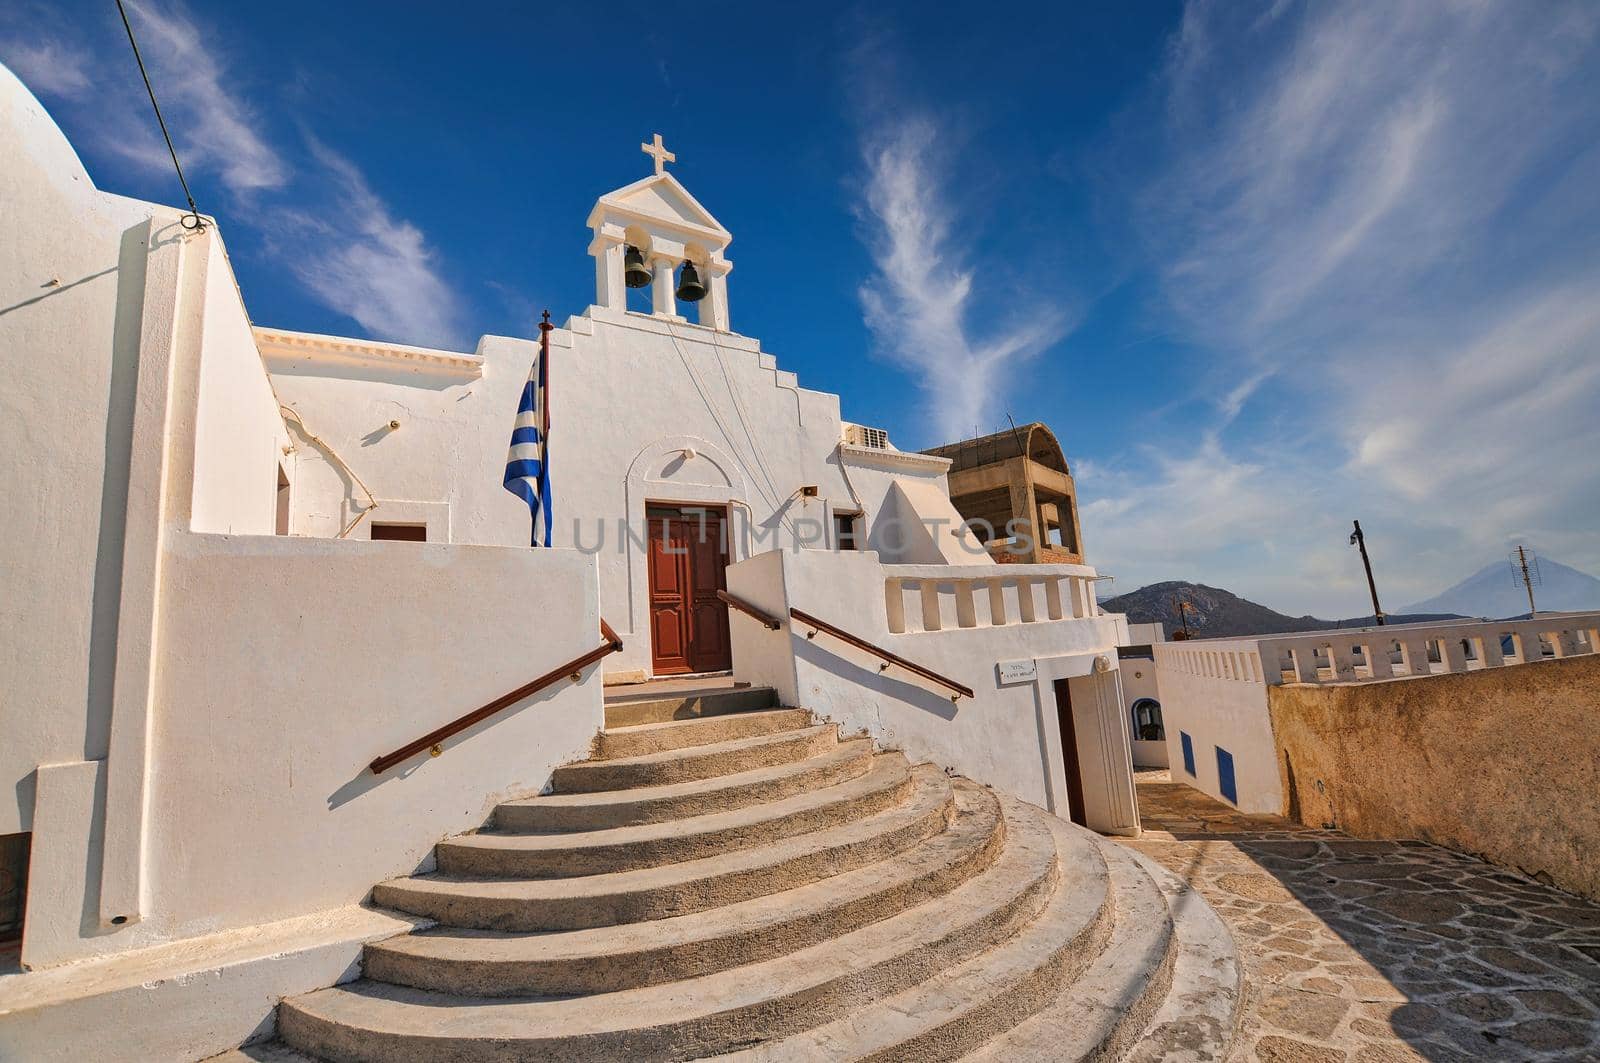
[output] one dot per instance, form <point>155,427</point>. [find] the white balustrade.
<point>939,598</point>
<point>1359,655</point>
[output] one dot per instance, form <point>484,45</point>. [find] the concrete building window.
<point>1147,725</point>
<point>846,529</point>
<point>406,533</point>
<point>1188,752</point>
<point>13,884</point>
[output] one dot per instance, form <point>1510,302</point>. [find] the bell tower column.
<point>664,302</point>
<point>609,290</point>
<point>716,314</point>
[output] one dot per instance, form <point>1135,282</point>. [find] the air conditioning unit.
<point>859,435</point>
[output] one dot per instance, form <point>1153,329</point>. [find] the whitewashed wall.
<point>1007,736</point>
<point>189,713</point>
<point>71,279</point>
<point>1214,691</point>
<point>629,395</point>
<point>1139,680</point>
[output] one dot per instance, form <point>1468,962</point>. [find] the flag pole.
<point>545,328</point>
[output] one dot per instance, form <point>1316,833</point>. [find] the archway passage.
<point>688,562</point>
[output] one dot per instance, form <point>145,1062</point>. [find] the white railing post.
<point>1340,664</point>
<point>1378,663</point>
<point>1526,640</point>
<point>930,605</point>
<point>1305,663</point>
<point>1052,597</point>
<point>894,603</point>
<point>966,611</point>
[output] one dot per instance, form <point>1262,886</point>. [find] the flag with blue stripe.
<point>527,462</point>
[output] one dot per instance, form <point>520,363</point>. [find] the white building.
<point>210,630</point>
<point>1141,695</point>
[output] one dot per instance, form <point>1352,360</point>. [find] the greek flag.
<point>527,467</point>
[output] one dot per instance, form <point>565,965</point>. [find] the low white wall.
<point>1139,681</point>
<point>1008,736</point>
<point>291,663</point>
<point>1214,692</point>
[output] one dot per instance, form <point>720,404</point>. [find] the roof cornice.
<point>280,345</point>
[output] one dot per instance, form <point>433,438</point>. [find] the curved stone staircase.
<point>752,886</point>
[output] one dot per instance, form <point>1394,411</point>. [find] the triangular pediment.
<point>660,198</point>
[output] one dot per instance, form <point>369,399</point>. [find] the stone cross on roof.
<point>659,152</point>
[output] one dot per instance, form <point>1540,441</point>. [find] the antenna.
<point>1525,570</point>
<point>1358,539</point>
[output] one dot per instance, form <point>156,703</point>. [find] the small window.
<point>1225,782</point>
<point>1147,726</point>
<point>13,884</point>
<point>405,533</point>
<point>845,527</point>
<point>1188,752</point>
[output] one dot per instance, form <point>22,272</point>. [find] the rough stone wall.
<point>1048,555</point>
<point>1503,764</point>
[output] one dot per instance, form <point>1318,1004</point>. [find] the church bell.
<point>690,288</point>
<point>634,272</point>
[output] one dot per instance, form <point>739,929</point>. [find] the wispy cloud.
<point>50,66</point>
<point>1370,216</point>
<point>321,219</point>
<point>917,303</point>
<point>369,264</point>
<point>224,134</point>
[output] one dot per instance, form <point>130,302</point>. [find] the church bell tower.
<point>653,233</point>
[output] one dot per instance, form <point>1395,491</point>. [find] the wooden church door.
<point>688,623</point>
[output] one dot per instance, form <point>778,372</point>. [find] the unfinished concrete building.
<point>1019,474</point>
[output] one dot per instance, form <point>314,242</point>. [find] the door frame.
<point>1070,765</point>
<point>690,509</point>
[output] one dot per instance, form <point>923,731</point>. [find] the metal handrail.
<point>884,655</point>
<point>431,740</point>
<point>765,619</point>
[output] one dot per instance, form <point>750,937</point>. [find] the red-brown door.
<point>688,623</point>
<point>1069,752</point>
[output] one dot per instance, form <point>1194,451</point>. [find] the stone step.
<point>677,889</point>
<point>616,743</point>
<point>609,959</point>
<point>698,1016</point>
<point>1101,1013</point>
<point>655,804</point>
<point>626,710</point>
<point>963,1006</point>
<point>499,855</point>
<point>1197,1020</point>
<point>698,762</point>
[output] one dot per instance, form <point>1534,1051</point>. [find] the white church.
<point>314,757</point>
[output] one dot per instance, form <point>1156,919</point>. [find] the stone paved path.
<point>1371,952</point>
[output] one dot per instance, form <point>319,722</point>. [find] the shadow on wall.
<point>868,677</point>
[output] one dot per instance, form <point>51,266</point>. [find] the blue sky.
<point>1263,268</point>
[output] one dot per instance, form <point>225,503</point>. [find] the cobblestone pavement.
<point>1371,952</point>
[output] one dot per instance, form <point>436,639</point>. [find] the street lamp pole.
<point>1359,540</point>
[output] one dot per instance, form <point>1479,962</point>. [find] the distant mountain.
<point>1495,592</point>
<point>1217,613</point>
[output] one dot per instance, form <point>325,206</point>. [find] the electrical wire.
<point>192,221</point>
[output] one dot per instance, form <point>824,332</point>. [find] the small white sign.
<point>1012,672</point>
